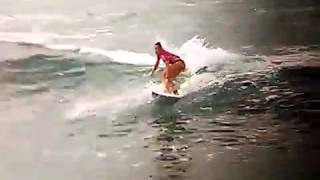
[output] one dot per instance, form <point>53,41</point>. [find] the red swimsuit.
<point>167,57</point>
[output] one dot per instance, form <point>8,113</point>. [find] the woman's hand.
<point>151,72</point>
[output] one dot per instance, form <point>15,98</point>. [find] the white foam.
<point>41,16</point>
<point>26,37</point>
<point>199,81</point>
<point>5,19</point>
<point>195,51</point>
<point>95,104</point>
<point>128,57</point>
<point>39,38</point>
<point>65,47</point>
<point>197,54</point>
<point>74,70</point>
<point>119,56</point>
<point>104,31</point>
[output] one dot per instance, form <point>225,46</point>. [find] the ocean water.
<point>75,98</point>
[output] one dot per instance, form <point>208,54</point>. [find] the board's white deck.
<point>158,89</point>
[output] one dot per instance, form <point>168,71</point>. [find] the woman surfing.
<point>174,66</point>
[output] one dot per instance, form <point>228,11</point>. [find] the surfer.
<point>174,66</point>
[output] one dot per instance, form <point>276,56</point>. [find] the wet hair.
<point>158,44</point>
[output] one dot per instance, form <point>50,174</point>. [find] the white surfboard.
<point>158,91</point>
<point>189,85</point>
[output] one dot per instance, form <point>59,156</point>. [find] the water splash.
<point>95,104</point>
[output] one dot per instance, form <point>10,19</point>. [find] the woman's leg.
<point>172,72</point>
<point>164,79</point>
<point>163,76</point>
<point>170,87</point>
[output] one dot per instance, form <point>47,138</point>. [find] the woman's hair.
<point>158,44</point>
